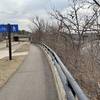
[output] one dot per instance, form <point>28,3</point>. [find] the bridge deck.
<point>33,81</point>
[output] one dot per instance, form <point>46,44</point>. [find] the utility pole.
<point>9,39</point>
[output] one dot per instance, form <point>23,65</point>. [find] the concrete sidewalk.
<point>3,44</point>
<point>5,52</point>
<point>33,81</point>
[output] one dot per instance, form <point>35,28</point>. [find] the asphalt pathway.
<point>33,81</point>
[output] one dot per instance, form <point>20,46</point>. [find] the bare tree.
<point>76,25</point>
<point>39,25</point>
<point>97,3</point>
<point>66,35</point>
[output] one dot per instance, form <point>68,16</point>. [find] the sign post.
<point>9,39</point>
<point>9,28</point>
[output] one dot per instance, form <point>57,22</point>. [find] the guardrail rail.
<point>71,87</point>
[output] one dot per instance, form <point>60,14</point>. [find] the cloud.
<point>21,11</point>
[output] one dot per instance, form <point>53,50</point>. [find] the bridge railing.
<point>71,87</point>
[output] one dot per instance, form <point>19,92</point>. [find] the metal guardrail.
<point>72,89</point>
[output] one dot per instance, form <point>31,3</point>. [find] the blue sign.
<point>4,28</point>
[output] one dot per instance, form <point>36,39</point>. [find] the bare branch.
<point>96,2</point>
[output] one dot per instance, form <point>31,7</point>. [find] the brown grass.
<point>84,68</point>
<point>23,48</point>
<point>7,68</point>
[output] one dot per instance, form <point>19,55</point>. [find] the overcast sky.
<point>21,11</point>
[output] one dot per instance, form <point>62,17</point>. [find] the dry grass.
<point>23,48</point>
<point>85,70</point>
<point>7,68</point>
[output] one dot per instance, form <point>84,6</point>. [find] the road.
<point>33,81</point>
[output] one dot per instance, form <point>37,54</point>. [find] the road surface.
<point>33,81</point>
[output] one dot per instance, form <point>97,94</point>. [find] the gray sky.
<point>22,11</point>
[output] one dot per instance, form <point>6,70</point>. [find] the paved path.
<point>3,44</point>
<point>33,81</point>
<point>5,52</point>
